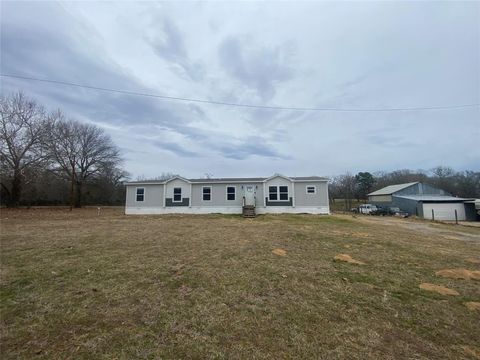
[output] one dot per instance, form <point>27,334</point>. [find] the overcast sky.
<point>289,54</point>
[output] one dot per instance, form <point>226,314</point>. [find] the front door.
<point>249,194</point>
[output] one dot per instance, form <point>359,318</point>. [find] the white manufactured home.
<point>250,196</point>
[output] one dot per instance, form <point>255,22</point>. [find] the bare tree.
<point>162,177</point>
<point>343,187</point>
<point>24,125</point>
<point>107,187</point>
<point>348,184</point>
<point>80,153</point>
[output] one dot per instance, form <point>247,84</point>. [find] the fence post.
<point>456,217</point>
<point>433,216</point>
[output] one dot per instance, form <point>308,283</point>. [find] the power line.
<point>164,97</point>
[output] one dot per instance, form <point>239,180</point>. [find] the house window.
<point>272,193</point>
<point>207,193</point>
<point>278,193</point>
<point>177,194</point>
<point>140,194</point>
<point>230,192</point>
<point>311,189</point>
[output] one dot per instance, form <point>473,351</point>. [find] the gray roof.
<point>389,190</point>
<point>230,180</point>
<point>433,198</point>
<point>251,179</point>
<point>308,178</point>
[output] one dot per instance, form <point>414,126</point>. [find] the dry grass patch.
<point>438,289</point>
<point>81,286</point>
<point>459,274</point>
<point>473,305</point>
<point>347,258</point>
<point>473,260</point>
<point>472,352</point>
<point>279,252</point>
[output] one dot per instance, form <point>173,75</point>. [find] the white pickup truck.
<point>367,209</point>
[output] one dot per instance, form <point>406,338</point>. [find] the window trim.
<point>314,189</point>
<point>269,192</point>
<point>136,194</point>
<point>234,192</point>
<point>207,187</point>
<point>278,192</point>
<point>173,196</point>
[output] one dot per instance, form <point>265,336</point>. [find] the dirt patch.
<point>450,237</point>
<point>347,258</point>
<point>473,260</point>
<point>279,252</point>
<point>361,234</point>
<point>459,274</point>
<point>473,305</point>
<point>438,289</point>
<point>474,353</point>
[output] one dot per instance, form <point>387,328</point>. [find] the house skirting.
<point>227,210</point>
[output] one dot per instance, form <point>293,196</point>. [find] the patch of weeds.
<point>408,296</point>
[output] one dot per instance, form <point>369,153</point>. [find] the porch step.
<point>248,211</point>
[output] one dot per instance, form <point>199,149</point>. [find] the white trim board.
<point>226,210</point>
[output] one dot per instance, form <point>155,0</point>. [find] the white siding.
<point>319,198</point>
<point>153,196</point>
<point>218,195</point>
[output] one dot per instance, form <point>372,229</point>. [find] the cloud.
<point>386,140</point>
<point>252,146</point>
<point>169,45</point>
<point>259,67</point>
<point>326,55</point>
<point>175,148</point>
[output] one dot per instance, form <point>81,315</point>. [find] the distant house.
<point>250,196</point>
<point>424,201</point>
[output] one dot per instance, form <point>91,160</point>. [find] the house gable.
<point>174,196</point>
<point>277,176</point>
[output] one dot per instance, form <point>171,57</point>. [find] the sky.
<point>346,55</point>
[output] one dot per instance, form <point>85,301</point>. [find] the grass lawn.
<point>81,286</point>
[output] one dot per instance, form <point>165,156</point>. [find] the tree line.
<point>348,187</point>
<point>49,159</point>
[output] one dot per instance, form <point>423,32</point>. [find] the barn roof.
<point>389,190</point>
<point>433,198</point>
